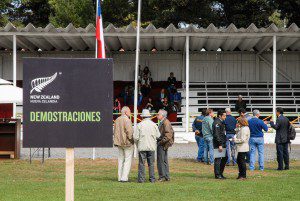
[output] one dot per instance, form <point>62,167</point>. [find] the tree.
<point>4,6</point>
<point>36,12</point>
<point>117,12</point>
<point>244,12</point>
<point>290,10</point>
<point>78,12</point>
<point>163,12</point>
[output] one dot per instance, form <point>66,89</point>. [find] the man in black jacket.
<point>282,139</point>
<point>219,140</point>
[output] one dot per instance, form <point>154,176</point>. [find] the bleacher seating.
<point>258,95</point>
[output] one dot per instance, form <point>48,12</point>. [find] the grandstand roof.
<point>162,39</point>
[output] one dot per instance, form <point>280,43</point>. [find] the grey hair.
<point>255,112</point>
<point>125,109</point>
<point>164,113</point>
<point>227,110</point>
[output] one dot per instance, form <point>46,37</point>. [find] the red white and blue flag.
<point>99,33</point>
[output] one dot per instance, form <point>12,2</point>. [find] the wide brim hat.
<point>146,113</point>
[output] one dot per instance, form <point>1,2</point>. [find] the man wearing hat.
<point>145,138</point>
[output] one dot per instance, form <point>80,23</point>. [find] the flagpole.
<point>137,50</point>
<point>96,56</point>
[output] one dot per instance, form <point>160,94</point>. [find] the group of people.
<point>222,137</point>
<point>148,138</point>
<point>168,99</point>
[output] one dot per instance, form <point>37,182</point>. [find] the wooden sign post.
<point>70,174</point>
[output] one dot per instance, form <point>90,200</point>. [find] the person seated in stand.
<point>163,94</point>
<point>176,99</point>
<point>240,104</point>
<point>171,82</point>
<point>117,106</point>
<point>147,73</point>
<point>150,106</point>
<point>165,105</point>
<point>145,85</point>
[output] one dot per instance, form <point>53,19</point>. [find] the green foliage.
<point>78,12</point>
<point>276,19</point>
<point>158,12</point>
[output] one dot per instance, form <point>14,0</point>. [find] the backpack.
<point>292,132</point>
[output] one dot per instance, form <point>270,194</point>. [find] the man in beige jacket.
<point>123,139</point>
<point>145,139</point>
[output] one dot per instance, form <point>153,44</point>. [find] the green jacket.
<point>207,127</point>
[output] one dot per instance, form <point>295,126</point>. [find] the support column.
<point>14,70</point>
<point>137,54</point>
<point>187,84</point>
<point>274,77</point>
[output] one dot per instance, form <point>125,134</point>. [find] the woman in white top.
<point>242,143</point>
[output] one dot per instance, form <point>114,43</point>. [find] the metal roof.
<point>162,39</point>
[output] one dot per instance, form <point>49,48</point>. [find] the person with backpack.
<point>282,140</point>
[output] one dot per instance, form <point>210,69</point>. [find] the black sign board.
<point>67,102</point>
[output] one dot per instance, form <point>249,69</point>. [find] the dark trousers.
<point>150,157</point>
<point>162,163</point>
<point>219,165</point>
<point>282,155</point>
<point>241,161</point>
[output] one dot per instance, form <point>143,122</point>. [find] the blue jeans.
<point>256,143</point>
<point>208,146</point>
<point>200,143</point>
<point>230,148</point>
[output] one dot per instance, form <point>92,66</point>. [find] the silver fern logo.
<point>39,84</point>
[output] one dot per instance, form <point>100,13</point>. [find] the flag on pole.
<point>99,33</point>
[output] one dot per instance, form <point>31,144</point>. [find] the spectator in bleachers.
<point>162,95</point>
<point>240,103</point>
<point>282,138</point>
<point>150,106</point>
<point>256,141</point>
<point>230,125</point>
<point>197,128</point>
<point>147,72</point>
<point>242,142</point>
<point>165,105</point>
<point>145,85</point>
<point>171,82</point>
<point>219,141</point>
<point>117,106</point>
<point>243,114</point>
<point>175,97</point>
<point>128,95</point>
<point>208,136</point>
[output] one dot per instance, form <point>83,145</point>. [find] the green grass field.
<point>96,180</point>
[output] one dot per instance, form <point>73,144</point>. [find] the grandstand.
<point>217,63</point>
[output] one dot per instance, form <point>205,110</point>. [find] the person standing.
<point>256,141</point>
<point>230,125</point>
<point>219,140</point>
<point>146,141</point>
<point>165,141</point>
<point>123,139</point>
<point>197,128</point>
<point>282,138</point>
<point>240,104</point>
<point>208,136</point>
<point>242,143</point>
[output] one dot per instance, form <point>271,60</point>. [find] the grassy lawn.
<point>96,180</point>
